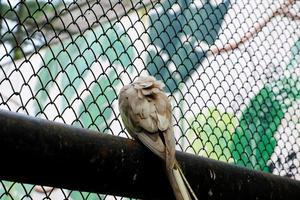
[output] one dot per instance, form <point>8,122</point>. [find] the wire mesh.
<point>231,69</point>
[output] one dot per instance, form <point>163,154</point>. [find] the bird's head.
<point>148,82</point>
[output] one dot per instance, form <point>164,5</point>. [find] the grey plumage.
<point>147,115</point>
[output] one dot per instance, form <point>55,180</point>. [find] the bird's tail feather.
<point>180,185</point>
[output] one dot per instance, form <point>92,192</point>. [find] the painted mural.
<point>231,70</point>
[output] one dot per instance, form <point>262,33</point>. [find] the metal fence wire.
<point>231,70</point>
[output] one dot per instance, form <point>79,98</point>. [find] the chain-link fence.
<point>231,70</point>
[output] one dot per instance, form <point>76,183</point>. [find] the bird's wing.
<point>164,123</point>
<point>170,148</point>
<point>140,121</point>
<point>154,143</point>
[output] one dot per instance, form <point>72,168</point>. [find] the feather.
<point>163,122</point>
<point>147,115</point>
<point>170,148</point>
<point>154,143</point>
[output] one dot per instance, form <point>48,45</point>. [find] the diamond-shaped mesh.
<point>231,69</point>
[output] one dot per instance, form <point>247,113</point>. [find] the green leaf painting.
<point>213,131</point>
<point>70,64</point>
<point>96,109</point>
<point>250,141</point>
<point>177,33</point>
<point>253,141</point>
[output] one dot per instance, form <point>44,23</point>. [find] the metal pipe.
<point>38,151</point>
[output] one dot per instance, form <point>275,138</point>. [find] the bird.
<point>146,113</point>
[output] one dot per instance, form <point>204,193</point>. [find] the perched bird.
<point>147,115</point>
